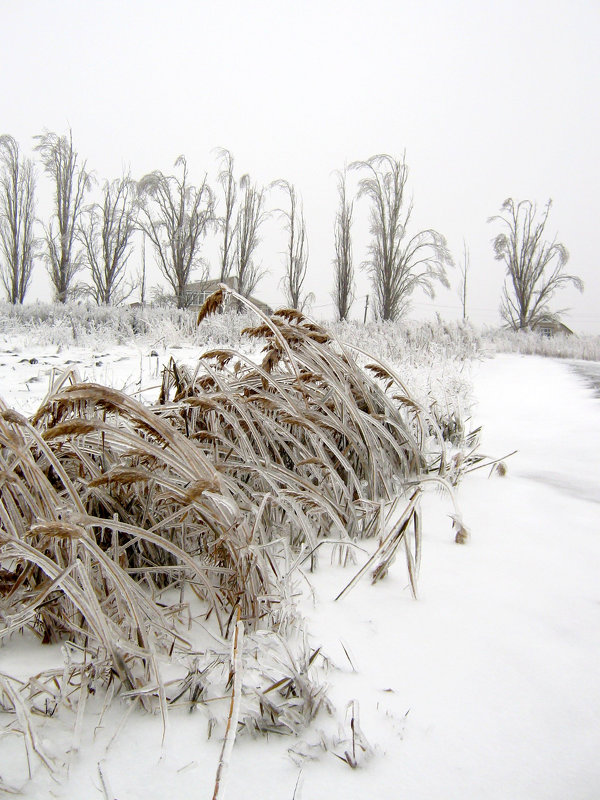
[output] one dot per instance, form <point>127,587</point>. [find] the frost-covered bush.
<point>419,343</point>
<point>70,324</point>
<point>586,348</point>
<point>88,325</point>
<point>433,358</point>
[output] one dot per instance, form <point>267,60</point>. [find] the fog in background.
<point>489,100</point>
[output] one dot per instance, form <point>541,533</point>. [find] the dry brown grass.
<point>115,516</point>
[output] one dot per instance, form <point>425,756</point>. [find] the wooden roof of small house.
<point>550,325</point>
<point>202,289</point>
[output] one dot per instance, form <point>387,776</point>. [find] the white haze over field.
<point>489,100</point>
<point>485,687</point>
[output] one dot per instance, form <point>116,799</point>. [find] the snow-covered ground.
<point>26,370</point>
<point>487,686</point>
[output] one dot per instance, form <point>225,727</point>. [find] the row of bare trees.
<point>170,211</point>
<point>175,216</point>
<point>98,235</point>
<point>400,262</point>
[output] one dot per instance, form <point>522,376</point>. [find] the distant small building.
<point>549,326</point>
<point>197,292</point>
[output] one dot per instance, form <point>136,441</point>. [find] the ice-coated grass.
<point>402,343</point>
<point>120,520</point>
<point>84,324</point>
<point>461,693</point>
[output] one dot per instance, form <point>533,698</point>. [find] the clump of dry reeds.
<point>307,428</point>
<point>115,517</point>
<point>105,506</point>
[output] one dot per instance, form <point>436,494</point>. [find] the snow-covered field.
<point>27,370</point>
<point>487,686</point>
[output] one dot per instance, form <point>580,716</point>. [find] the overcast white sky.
<point>488,99</point>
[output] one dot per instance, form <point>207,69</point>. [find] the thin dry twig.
<point>234,709</point>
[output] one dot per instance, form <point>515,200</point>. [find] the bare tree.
<point>296,263</point>
<point>227,221</point>
<point>534,266</point>
<point>175,216</point>
<point>106,232</point>
<point>250,217</point>
<point>343,287</point>
<point>463,272</point>
<point>398,264</point>
<point>71,181</point>
<point>18,245</point>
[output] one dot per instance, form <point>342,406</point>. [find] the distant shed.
<point>547,326</point>
<point>197,292</point>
